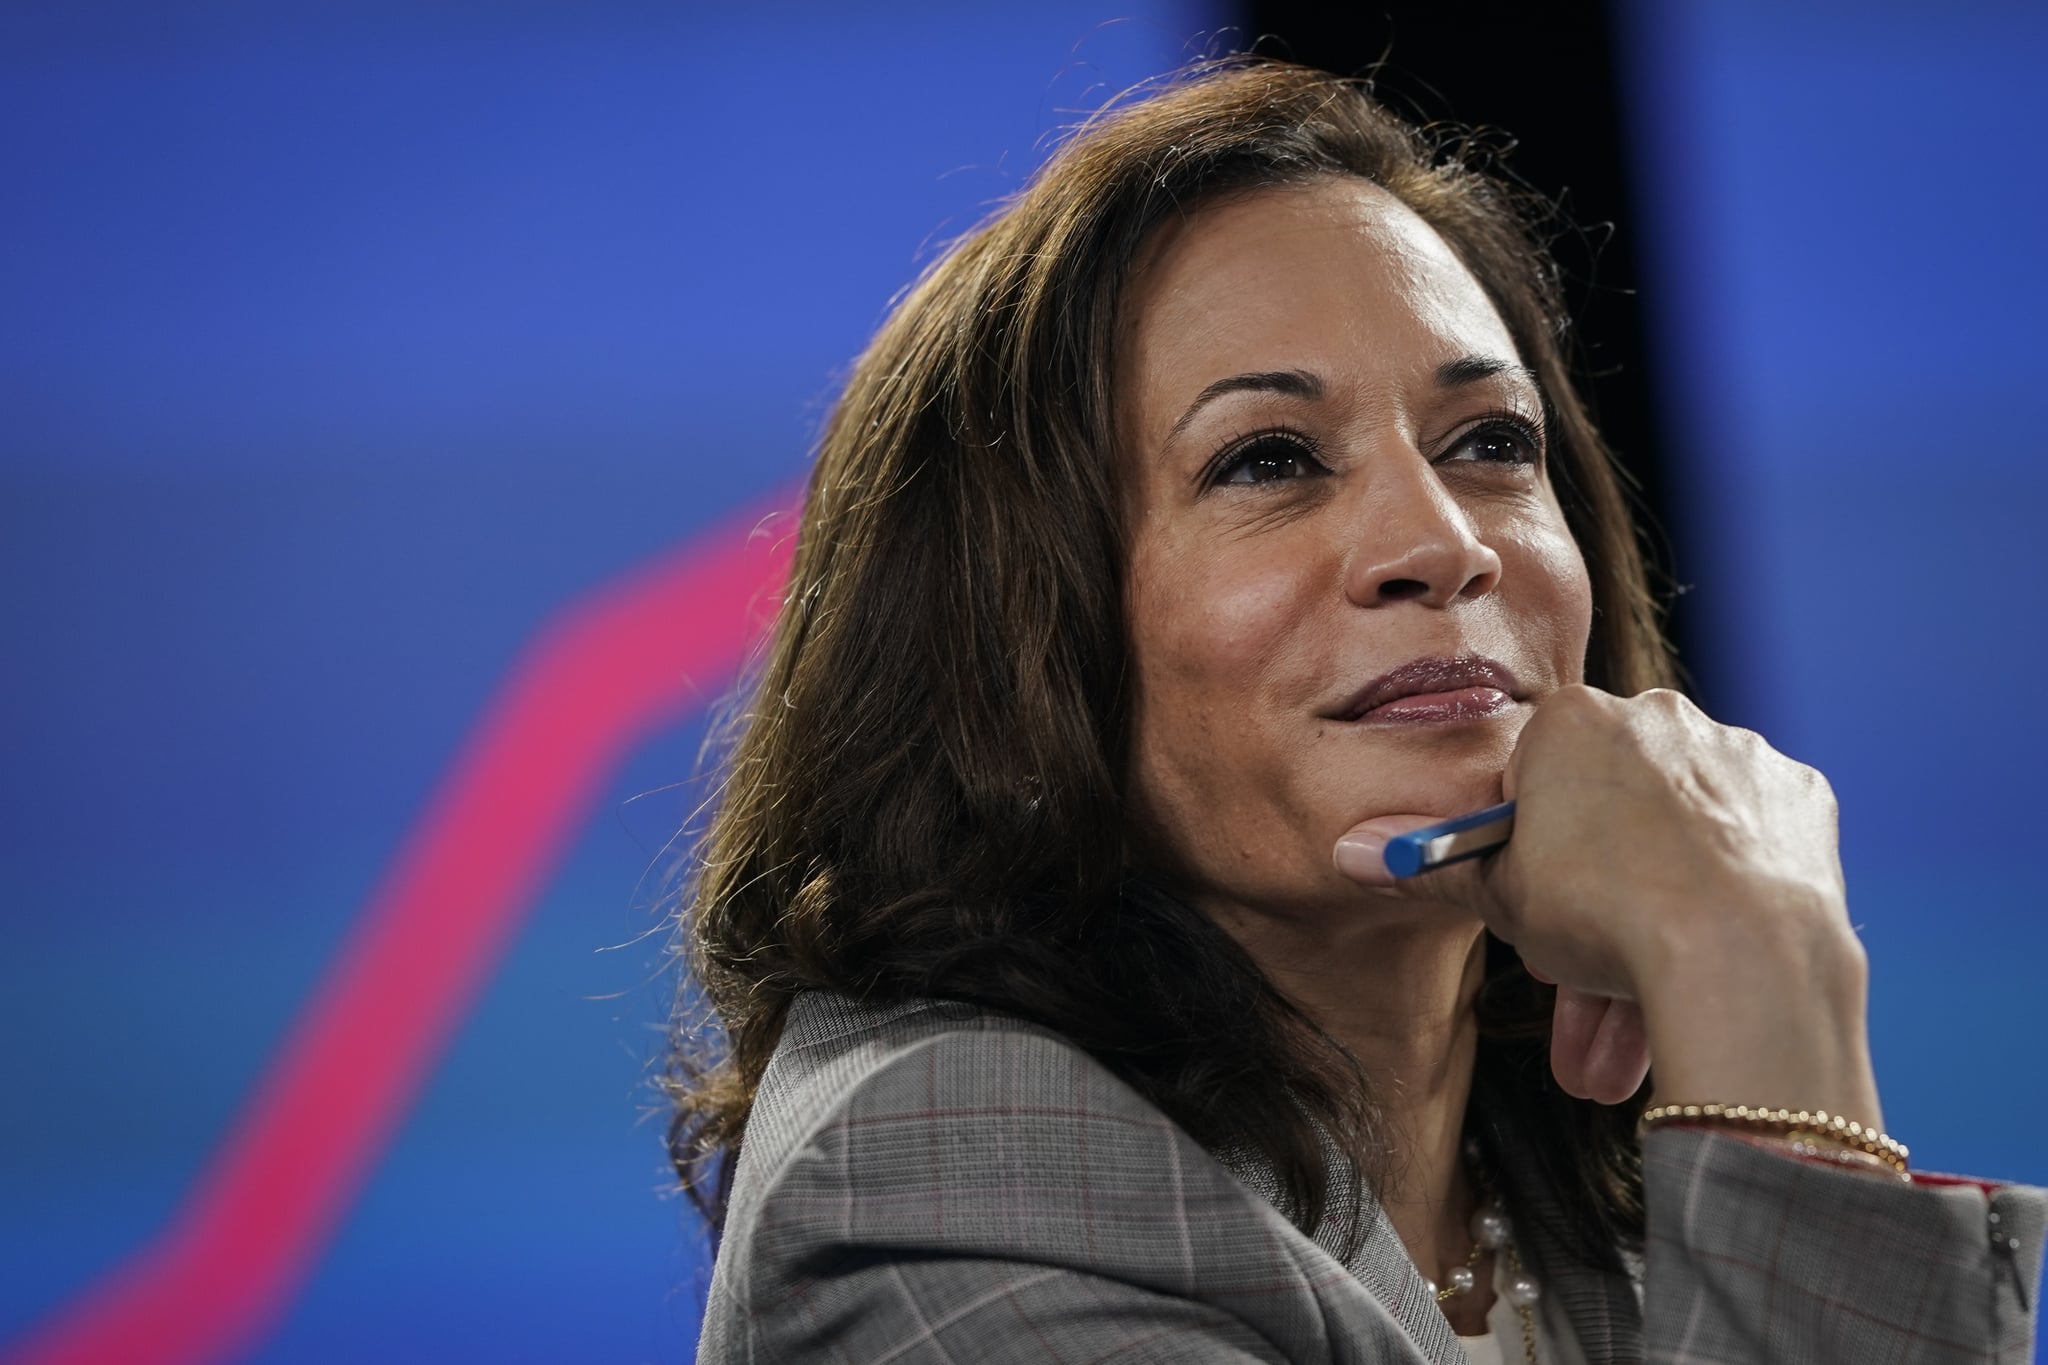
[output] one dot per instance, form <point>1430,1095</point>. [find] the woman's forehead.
<point>1337,277</point>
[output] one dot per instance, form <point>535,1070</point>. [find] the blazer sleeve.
<point>1754,1256</point>
<point>998,1196</point>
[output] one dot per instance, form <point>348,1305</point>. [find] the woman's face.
<point>1335,472</point>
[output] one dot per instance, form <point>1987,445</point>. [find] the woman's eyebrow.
<point>1470,369</point>
<point>1293,383</point>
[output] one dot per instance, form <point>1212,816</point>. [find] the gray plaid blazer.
<point>931,1183</point>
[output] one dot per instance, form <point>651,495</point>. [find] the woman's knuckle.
<point>1574,699</point>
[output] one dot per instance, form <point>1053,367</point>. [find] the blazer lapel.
<point>1605,1307</point>
<point>1380,1263</point>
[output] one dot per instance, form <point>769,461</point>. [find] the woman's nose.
<point>1416,543</point>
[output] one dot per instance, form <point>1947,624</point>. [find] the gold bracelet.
<point>1804,1123</point>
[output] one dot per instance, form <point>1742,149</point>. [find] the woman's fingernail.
<point>1362,857</point>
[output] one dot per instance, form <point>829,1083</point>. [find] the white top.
<point>1483,1350</point>
<point>1502,1343</point>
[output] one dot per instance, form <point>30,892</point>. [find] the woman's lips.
<point>1437,708</point>
<point>1433,681</point>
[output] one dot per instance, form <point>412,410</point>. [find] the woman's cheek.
<point>1554,586</point>
<point>1211,640</point>
<point>1220,619</point>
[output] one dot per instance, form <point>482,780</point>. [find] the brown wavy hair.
<point>925,795</point>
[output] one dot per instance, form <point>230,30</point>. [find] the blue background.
<point>1845,218</point>
<point>340,345</point>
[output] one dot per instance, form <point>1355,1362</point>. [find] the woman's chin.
<point>1427,798</point>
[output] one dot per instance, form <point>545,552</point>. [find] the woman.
<point>1219,509</point>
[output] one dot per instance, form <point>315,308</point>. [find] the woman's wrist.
<point>1771,1018</point>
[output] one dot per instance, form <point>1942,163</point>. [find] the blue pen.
<point>1450,841</point>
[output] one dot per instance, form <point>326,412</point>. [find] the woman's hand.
<point>1666,864</point>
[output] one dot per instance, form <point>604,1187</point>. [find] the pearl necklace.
<point>1491,1231</point>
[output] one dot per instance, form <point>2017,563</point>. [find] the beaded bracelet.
<point>1797,1124</point>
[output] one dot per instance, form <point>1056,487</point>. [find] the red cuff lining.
<point>1931,1179</point>
<point>1934,1178</point>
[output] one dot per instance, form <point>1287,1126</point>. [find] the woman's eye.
<point>1499,442</point>
<point>1269,458</point>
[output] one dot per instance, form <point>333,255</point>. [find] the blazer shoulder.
<point>951,1156</point>
<point>975,1092</point>
<point>941,1130</point>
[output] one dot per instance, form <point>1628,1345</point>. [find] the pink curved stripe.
<point>634,655</point>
